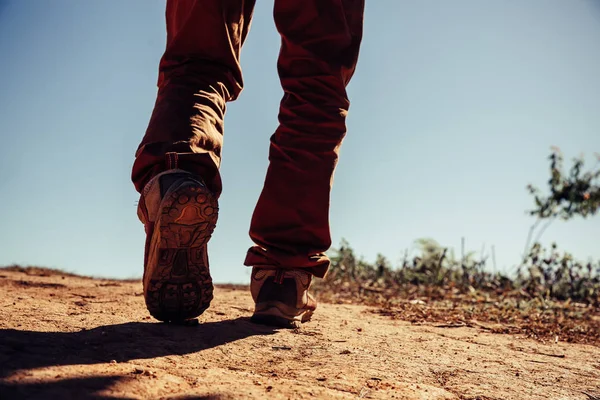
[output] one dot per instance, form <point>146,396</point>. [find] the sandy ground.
<point>72,337</point>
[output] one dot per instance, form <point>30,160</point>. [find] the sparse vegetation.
<point>551,275</point>
<point>558,298</point>
<point>552,295</point>
<point>574,194</point>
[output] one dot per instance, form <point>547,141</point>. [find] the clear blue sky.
<point>454,108</point>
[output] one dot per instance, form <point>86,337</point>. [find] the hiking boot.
<point>179,214</point>
<point>281,297</point>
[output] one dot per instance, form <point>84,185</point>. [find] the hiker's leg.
<point>198,73</point>
<point>319,51</point>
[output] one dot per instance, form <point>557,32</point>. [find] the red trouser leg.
<point>198,73</point>
<point>319,51</point>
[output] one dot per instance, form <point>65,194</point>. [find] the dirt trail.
<point>72,337</point>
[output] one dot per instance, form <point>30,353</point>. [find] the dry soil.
<point>64,336</point>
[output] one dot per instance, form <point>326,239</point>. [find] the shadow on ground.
<point>21,350</point>
<point>78,388</point>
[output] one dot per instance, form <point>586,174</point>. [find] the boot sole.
<point>180,286</point>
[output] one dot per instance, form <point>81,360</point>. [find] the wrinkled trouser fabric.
<point>200,72</point>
